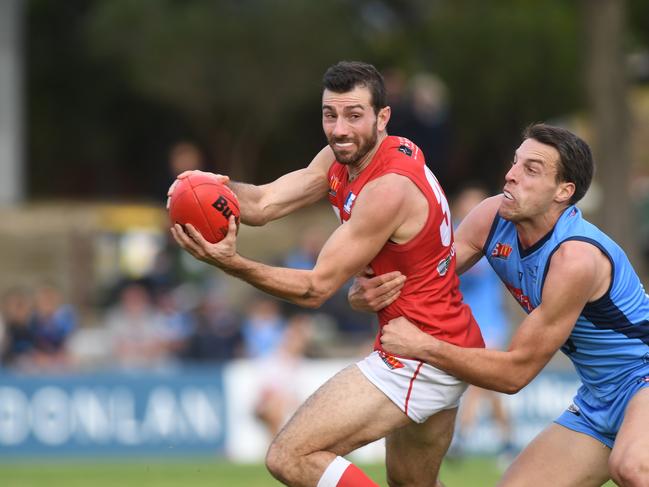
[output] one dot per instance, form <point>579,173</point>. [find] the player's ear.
<point>382,118</point>
<point>564,192</point>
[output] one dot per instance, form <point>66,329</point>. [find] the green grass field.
<point>474,472</point>
<point>158,473</point>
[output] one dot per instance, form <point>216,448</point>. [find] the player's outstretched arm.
<point>378,211</point>
<point>260,204</point>
<point>575,277</point>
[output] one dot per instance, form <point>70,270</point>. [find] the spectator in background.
<point>484,293</point>
<point>176,322</point>
<point>52,324</point>
<point>429,126</point>
<point>263,327</point>
<point>137,330</point>
<point>420,113</point>
<point>216,331</point>
<point>18,336</point>
<point>279,395</point>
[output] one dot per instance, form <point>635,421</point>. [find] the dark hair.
<point>347,75</point>
<point>575,158</point>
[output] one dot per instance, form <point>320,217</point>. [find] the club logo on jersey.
<point>390,361</point>
<point>349,201</point>
<point>523,300</point>
<point>334,184</point>
<point>445,263</point>
<point>574,409</point>
<point>501,251</point>
<point>406,150</point>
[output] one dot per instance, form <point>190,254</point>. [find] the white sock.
<point>333,472</point>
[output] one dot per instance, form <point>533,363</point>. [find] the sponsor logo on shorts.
<point>643,380</point>
<point>574,409</point>
<point>349,201</point>
<point>390,361</point>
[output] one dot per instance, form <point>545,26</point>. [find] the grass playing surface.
<point>160,473</point>
<point>471,472</point>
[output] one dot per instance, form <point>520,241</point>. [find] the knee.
<point>630,470</point>
<point>280,461</point>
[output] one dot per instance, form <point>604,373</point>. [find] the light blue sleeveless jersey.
<point>609,345</point>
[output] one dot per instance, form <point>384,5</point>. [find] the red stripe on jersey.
<point>414,376</point>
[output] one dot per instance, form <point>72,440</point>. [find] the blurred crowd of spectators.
<point>166,320</point>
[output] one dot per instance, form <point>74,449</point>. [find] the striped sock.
<point>342,473</point>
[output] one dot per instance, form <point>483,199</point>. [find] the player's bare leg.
<point>559,457</point>
<point>347,412</point>
<point>414,453</point>
<point>629,462</point>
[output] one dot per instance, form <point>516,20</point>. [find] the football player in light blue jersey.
<point>581,295</point>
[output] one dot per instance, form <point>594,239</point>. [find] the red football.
<point>206,204</point>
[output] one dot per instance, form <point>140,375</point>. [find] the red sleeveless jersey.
<point>430,297</point>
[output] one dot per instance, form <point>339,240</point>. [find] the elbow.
<point>315,297</point>
<point>312,300</point>
<point>515,383</point>
<point>256,219</point>
<point>511,388</point>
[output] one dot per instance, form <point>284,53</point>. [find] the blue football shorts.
<point>598,418</point>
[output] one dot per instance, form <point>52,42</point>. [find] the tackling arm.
<point>573,279</point>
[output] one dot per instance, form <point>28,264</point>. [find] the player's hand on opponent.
<point>219,178</point>
<point>400,337</point>
<point>372,293</point>
<point>217,254</point>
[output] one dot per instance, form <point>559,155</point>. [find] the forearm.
<point>249,196</point>
<point>294,285</point>
<point>490,369</point>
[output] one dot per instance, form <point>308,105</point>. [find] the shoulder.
<point>389,188</point>
<point>579,267</point>
<point>480,220</point>
<point>576,256</point>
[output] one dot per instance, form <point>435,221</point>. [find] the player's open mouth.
<point>508,195</point>
<point>344,145</point>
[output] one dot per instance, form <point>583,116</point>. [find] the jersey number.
<point>445,227</point>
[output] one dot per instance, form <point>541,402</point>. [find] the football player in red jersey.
<point>390,204</point>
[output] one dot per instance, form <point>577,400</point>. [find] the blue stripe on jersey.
<point>605,315</point>
<point>494,225</point>
<point>590,241</point>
